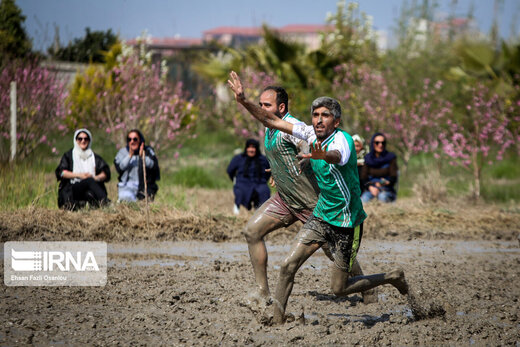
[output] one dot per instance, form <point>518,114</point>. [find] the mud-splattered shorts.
<point>275,207</point>
<point>343,242</point>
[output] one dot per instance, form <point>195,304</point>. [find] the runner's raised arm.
<point>267,118</point>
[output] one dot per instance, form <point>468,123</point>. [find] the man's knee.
<point>339,281</point>
<point>253,232</point>
<point>337,287</point>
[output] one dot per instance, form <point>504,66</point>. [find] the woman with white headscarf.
<point>82,175</point>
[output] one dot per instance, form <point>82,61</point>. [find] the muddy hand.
<point>236,86</point>
<point>317,152</point>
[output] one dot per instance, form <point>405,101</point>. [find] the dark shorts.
<point>275,207</point>
<point>343,242</point>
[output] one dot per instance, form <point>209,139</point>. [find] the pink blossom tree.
<point>480,137</point>
<point>40,108</point>
<point>131,92</point>
<point>374,104</point>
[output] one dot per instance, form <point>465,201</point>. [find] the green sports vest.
<point>296,189</point>
<point>339,202</point>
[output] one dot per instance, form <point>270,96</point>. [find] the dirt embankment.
<point>208,220</point>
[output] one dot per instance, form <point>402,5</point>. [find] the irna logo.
<point>53,261</point>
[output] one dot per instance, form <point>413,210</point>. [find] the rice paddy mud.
<point>180,278</point>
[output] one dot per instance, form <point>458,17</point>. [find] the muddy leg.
<point>369,296</point>
<point>297,256</point>
<point>343,284</point>
<point>258,226</point>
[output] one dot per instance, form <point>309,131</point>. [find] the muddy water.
<point>191,293</point>
<point>199,252</point>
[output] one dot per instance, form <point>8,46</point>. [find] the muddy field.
<point>161,290</point>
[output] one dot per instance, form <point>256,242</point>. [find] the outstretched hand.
<point>236,86</point>
<point>317,152</point>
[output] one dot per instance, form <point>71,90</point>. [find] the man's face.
<point>133,141</point>
<point>323,122</point>
<point>268,103</point>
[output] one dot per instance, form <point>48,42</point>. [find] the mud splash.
<point>424,310</point>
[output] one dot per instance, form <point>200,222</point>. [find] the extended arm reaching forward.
<point>268,119</point>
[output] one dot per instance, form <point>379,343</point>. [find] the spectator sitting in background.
<point>359,144</point>
<point>379,174</point>
<point>250,178</point>
<point>82,175</point>
<point>129,165</point>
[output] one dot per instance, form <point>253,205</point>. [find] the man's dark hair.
<point>281,96</point>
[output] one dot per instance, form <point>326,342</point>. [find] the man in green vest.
<point>337,219</point>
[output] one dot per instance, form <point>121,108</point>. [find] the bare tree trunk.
<point>13,121</point>
<point>476,175</point>
<point>406,159</point>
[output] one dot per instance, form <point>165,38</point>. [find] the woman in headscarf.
<point>82,175</point>
<point>248,172</point>
<point>379,174</point>
<point>129,166</point>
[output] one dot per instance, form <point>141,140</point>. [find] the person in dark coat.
<point>248,170</point>
<point>82,175</point>
<point>380,172</point>
<point>129,166</point>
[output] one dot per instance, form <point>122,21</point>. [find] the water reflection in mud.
<point>204,252</point>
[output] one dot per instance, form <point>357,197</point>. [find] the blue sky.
<point>189,18</point>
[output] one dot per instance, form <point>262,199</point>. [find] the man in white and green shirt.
<point>338,216</point>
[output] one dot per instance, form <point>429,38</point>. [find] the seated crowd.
<point>82,173</point>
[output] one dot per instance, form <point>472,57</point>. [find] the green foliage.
<point>505,192</point>
<point>82,98</point>
<point>480,61</point>
<point>500,181</point>
<point>215,67</point>
<point>352,39</point>
<point>27,184</point>
<point>195,176</point>
<point>14,42</point>
<point>504,170</point>
<point>88,49</point>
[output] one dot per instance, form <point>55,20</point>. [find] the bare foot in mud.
<point>369,296</point>
<point>257,299</point>
<point>259,306</point>
<point>398,281</point>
